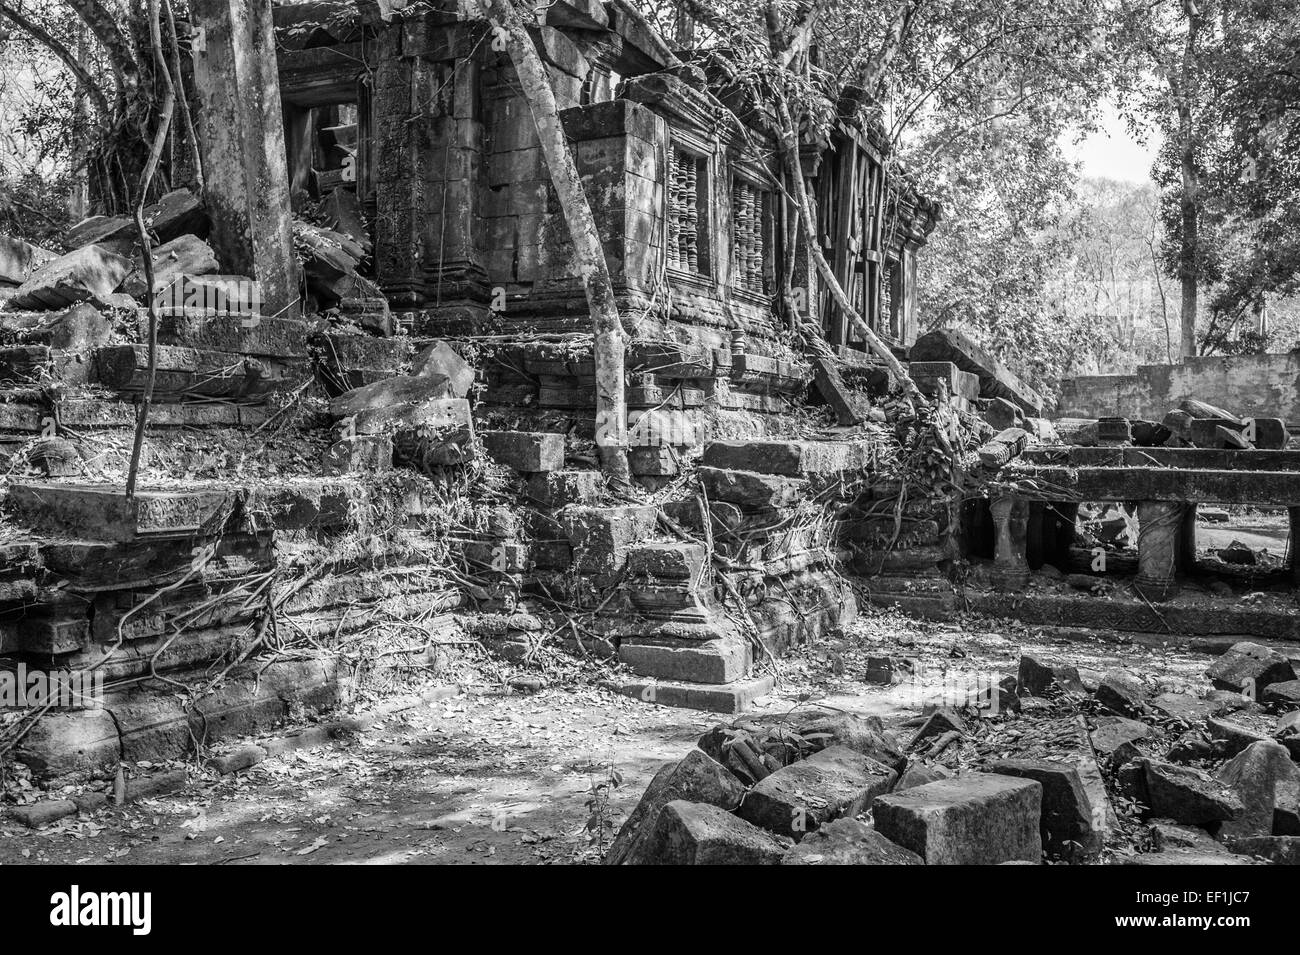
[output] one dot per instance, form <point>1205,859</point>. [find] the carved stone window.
<point>688,213</point>
<point>750,207</point>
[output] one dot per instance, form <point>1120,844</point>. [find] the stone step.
<point>720,661</point>
<point>524,451</point>
<point>734,697</point>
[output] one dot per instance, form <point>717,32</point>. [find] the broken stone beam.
<point>977,819</point>
<point>525,452</point>
<point>996,380</point>
<point>789,458</point>
<point>1202,409</point>
<point>241,140</point>
<point>1003,447</point>
<point>1278,488</point>
<point>1011,526</point>
<point>88,274</point>
<point>1159,524</point>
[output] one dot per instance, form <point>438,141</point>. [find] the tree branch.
<point>47,39</point>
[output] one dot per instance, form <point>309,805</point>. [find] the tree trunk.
<point>610,340</point>
<point>1189,238</point>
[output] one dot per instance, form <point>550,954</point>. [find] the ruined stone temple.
<point>369,456</point>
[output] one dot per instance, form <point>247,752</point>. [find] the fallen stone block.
<point>1262,775</point>
<point>1287,732</point>
<point>240,758</point>
<point>996,380</point>
<point>526,452</point>
<point>1250,668</point>
<point>1039,677</point>
<point>941,721</point>
<point>847,841</point>
<point>39,814</point>
<point>978,819</point>
<point>1069,829</point>
<point>1185,708</point>
<point>864,735</point>
<point>186,255</point>
<point>1285,695</point>
<point>696,778</point>
<point>1237,731</point>
<point>1188,795</point>
<point>917,774</point>
<point>88,274</point>
<point>800,798</point>
<point>90,802</point>
<point>18,259</point>
<point>400,403</point>
<point>1122,693</point>
<point>692,833</point>
<point>1114,740</point>
<point>441,360</point>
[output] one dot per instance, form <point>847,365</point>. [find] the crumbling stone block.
<point>669,561</point>
<point>359,453</point>
<point>184,255</point>
<point>240,758</point>
<point>1114,739</point>
<point>803,796</point>
<point>978,819</point>
<point>526,452</point>
<point>941,721</point>
<point>1122,693</point>
<point>1259,774</point>
<point>440,359</point>
<point>789,458</point>
<point>847,841</point>
<point>18,259</point>
<point>88,274</point>
<point>696,778</point>
<point>401,402</point>
<point>602,537</point>
<point>1285,694</point>
<point>751,489</point>
<point>1188,795</point>
<point>1070,828</point>
<point>1039,677</point>
<point>1250,668</point>
<point>561,488</point>
<point>693,833</point>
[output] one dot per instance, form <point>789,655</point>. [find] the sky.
<point>1112,152</point>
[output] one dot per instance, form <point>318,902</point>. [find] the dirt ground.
<point>490,778</point>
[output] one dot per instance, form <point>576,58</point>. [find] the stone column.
<point>1159,523</point>
<point>1011,525</point>
<point>241,139</point>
